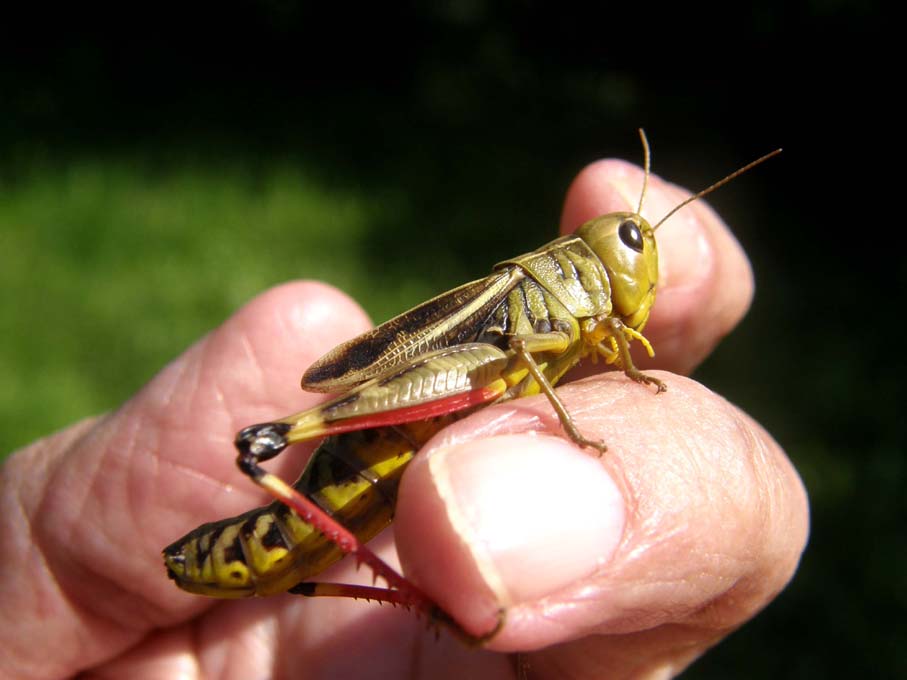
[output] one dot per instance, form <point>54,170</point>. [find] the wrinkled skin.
<point>626,566</point>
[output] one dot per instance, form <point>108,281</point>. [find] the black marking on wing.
<point>358,359</point>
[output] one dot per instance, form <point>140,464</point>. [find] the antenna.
<point>711,188</point>
<point>647,164</point>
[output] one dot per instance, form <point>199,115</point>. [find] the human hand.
<point>617,566</point>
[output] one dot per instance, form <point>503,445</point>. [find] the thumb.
<point>692,521</point>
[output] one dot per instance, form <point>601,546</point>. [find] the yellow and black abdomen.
<point>353,477</point>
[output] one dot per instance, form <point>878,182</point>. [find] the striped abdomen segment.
<point>353,477</point>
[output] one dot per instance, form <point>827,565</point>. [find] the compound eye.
<point>630,235</point>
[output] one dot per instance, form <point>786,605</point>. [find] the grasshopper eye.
<point>630,235</point>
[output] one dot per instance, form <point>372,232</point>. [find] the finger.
<point>87,512</point>
<point>689,524</point>
<point>705,285</point>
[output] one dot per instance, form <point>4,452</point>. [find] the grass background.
<point>160,169</point>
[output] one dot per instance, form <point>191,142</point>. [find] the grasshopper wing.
<point>450,319</point>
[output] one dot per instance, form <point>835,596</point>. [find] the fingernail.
<point>535,512</point>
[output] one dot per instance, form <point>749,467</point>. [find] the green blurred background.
<point>160,167</point>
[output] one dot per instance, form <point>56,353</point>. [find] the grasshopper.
<point>511,334</point>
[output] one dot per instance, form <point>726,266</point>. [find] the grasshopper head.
<point>625,243</point>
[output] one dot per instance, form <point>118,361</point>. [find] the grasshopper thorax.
<point>625,244</point>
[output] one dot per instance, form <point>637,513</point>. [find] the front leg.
<point>622,334</point>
